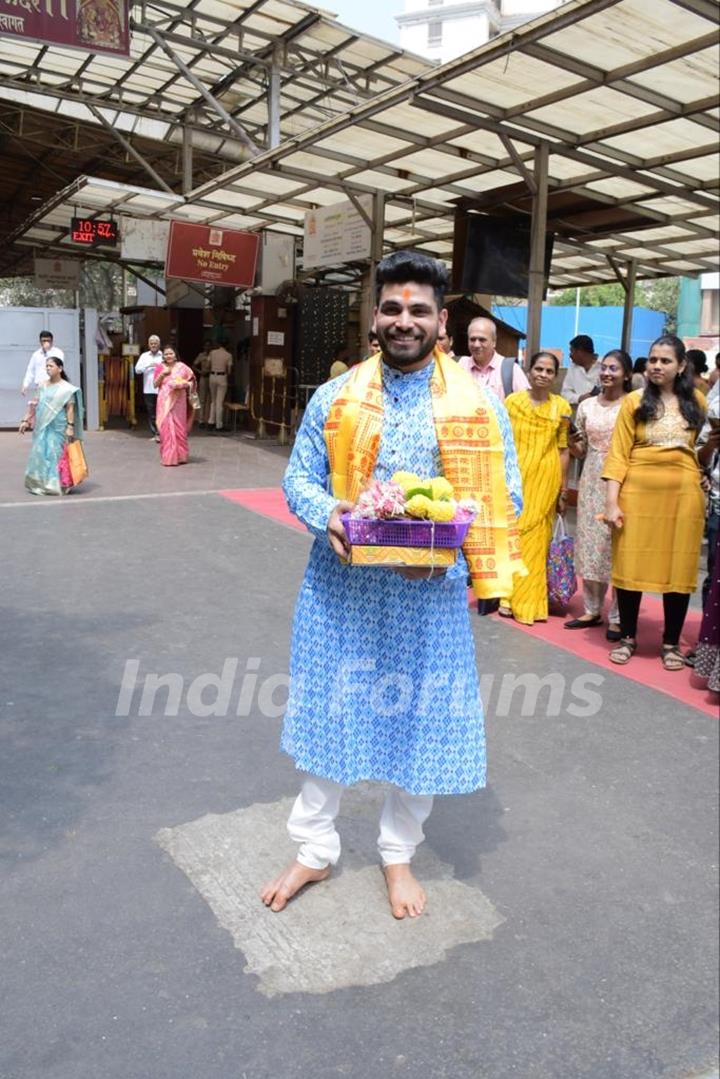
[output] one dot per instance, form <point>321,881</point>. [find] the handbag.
<point>76,459</point>
<point>561,579</point>
<point>64,474</point>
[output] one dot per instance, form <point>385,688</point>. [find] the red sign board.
<point>210,255</point>
<point>93,25</point>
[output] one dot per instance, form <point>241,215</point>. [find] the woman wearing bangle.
<point>57,420</point>
<point>654,501</point>
<point>540,421</point>
<point>174,417</point>
<point>596,418</point>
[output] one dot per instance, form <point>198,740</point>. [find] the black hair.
<point>640,365</point>
<point>45,334</point>
<point>538,355</point>
<point>584,343</point>
<point>402,266</point>
<point>698,359</point>
<point>649,406</point>
<point>58,362</point>
<point>626,362</point>
<point>372,336</point>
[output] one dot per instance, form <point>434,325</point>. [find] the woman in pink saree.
<point>175,382</point>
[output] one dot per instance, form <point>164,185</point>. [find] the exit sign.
<point>91,231</point>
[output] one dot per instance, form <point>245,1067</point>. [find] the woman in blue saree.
<point>56,421</point>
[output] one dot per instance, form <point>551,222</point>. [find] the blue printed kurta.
<point>383,681</point>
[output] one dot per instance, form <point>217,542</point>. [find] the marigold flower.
<point>441,511</point>
<point>406,480</point>
<point>441,489</point>
<point>418,506</point>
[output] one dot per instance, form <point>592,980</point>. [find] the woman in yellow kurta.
<point>540,422</point>
<point>654,501</point>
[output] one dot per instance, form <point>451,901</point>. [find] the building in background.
<point>444,29</point>
<point>699,313</point>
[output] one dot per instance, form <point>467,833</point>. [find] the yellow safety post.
<point>102,403</point>
<point>132,419</point>
<point>131,353</point>
<point>283,432</point>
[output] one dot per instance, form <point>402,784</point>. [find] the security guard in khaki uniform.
<point>220,368</point>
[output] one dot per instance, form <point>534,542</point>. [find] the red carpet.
<point>645,666</point>
<point>588,644</point>
<point>268,502</point>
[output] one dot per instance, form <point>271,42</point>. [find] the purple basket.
<point>368,532</point>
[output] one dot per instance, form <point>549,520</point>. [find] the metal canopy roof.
<point>233,48</point>
<point>624,92</point>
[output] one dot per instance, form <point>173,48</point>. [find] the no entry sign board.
<point>210,255</point>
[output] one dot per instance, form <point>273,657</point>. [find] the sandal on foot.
<point>624,651</point>
<point>505,612</point>
<point>672,658</point>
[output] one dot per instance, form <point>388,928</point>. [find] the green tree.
<point>660,294</point>
<point>101,286</point>
<point>608,295</point>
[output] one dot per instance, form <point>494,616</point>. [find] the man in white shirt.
<point>583,376</point>
<point>489,369</point>
<point>36,374</point>
<point>145,366</point>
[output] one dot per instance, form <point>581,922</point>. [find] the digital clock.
<point>90,231</point>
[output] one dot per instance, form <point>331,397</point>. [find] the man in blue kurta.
<point>383,680</point>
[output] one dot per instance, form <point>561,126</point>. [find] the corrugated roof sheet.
<point>624,92</point>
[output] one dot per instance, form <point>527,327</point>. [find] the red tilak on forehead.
<point>406,293</point>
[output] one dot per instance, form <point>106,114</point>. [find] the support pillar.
<point>536,273</point>
<point>367,302</point>
<point>627,280</point>
<point>187,160</point>
<point>629,286</point>
<point>273,103</point>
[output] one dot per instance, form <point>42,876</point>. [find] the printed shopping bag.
<point>77,462</point>
<point>561,579</point>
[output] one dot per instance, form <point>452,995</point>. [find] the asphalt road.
<point>595,843</point>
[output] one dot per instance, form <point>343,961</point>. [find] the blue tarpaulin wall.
<point>603,324</point>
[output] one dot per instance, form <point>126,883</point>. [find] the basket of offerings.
<point>408,521</point>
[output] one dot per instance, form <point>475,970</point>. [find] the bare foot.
<point>277,893</point>
<point>404,890</point>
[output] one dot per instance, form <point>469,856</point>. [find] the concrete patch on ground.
<point>339,932</point>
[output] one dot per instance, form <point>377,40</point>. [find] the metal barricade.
<point>286,399</point>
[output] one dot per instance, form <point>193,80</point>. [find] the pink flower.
<point>382,500</point>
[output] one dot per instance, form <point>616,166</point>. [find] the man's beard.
<point>406,357</point>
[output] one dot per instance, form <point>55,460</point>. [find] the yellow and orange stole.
<point>471,450</point>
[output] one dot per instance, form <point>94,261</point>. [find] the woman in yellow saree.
<point>540,422</point>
